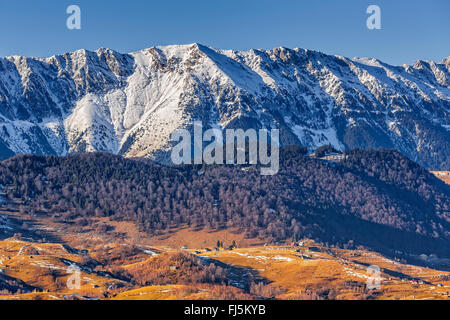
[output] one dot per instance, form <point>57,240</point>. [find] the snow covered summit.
<point>129,104</point>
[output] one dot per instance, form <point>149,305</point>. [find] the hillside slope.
<point>379,199</point>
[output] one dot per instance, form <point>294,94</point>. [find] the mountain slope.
<point>129,104</point>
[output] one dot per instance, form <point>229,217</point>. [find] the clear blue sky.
<point>411,30</point>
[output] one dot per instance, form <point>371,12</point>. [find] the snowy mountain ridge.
<point>129,104</point>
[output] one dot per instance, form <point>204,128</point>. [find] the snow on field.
<point>150,252</point>
<point>352,272</point>
<point>261,258</point>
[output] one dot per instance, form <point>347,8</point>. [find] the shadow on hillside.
<point>26,228</point>
<point>396,274</point>
<point>240,277</point>
<point>13,285</point>
<point>386,240</point>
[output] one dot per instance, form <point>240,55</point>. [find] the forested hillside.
<point>379,199</point>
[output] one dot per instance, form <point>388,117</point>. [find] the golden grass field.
<point>335,268</point>
<point>46,266</point>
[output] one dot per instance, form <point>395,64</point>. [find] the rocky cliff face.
<point>129,104</point>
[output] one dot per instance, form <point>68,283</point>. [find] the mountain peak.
<point>131,103</point>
